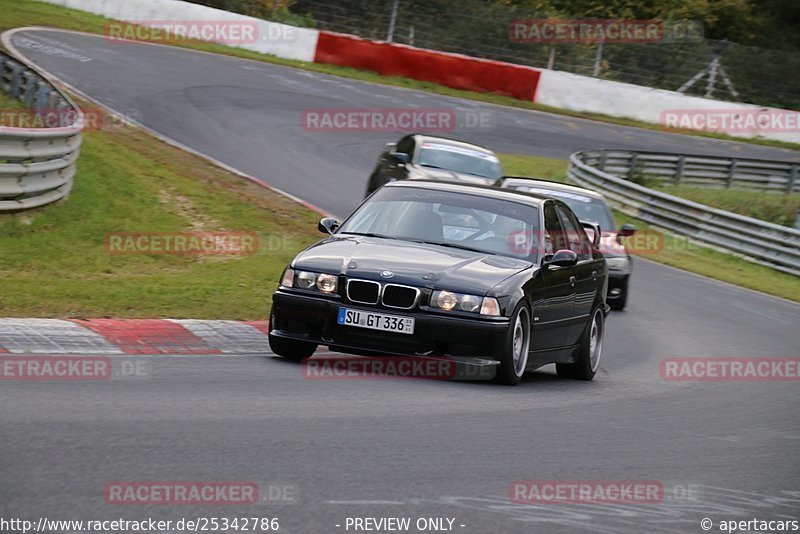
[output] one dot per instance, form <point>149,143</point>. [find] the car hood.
<point>415,264</point>
<point>427,173</point>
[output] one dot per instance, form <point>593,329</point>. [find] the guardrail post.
<point>3,61</point>
<point>731,172</point>
<point>603,158</point>
<point>42,96</point>
<point>30,88</point>
<point>792,179</point>
<point>632,167</point>
<point>679,169</point>
<point>16,77</point>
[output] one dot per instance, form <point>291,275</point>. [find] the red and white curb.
<point>132,336</point>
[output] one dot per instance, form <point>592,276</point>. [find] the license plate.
<point>376,321</point>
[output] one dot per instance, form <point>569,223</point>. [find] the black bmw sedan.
<point>441,269</point>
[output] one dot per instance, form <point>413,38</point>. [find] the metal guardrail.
<point>37,165</point>
<point>762,242</point>
<point>703,171</point>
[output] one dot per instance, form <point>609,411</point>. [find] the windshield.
<point>471,222</point>
<point>460,160</point>
<point>585,207</point>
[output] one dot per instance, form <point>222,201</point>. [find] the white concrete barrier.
<point>582,93</point>
<point>276,39</point>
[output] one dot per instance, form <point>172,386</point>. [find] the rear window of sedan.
<point>452,158</point>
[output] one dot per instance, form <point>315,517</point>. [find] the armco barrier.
<point>37,165</point>
<point>741,173</point>
<point>451,70</point>
<point>765,243</point>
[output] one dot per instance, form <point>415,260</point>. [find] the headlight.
<point>287,280</point>
<point>470,303</point>
<point>447,301</point>
<point>444,300</point>
<point>326,283</point>
<point>308,280</point>
<point>617,264</point>
<point>490,306</point>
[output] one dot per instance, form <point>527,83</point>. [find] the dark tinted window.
<point>554,234</point>
<point>574,234</point>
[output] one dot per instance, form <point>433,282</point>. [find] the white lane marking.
<point>50,49</point>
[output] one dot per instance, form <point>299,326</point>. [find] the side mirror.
<point>327,225</point>
<point>592,230</point>
<point>400,157</point>
<point>562,258</point>
<point>627,230</point>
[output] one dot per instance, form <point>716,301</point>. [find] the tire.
<point>291,349</point>
<point>590,350</point>
<point>619,304</point>
<point>514,355</point>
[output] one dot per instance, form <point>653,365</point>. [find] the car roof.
<point>452,142</point>
<point>484,190</point>
<point>548,184</point>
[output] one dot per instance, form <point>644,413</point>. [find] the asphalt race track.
<point>417,448</point>
<point>248,115</point>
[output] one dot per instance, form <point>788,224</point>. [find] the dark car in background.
<point>441,269</point>
<point>589,205</point>
<point>424,157</point>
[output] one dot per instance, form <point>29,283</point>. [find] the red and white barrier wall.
<point>451,70</point>
<point>552,88</point>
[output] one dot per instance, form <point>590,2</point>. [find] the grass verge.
<point>778,208</point>
<point>18,13</point>
<point>678,251</point>
<point>54,261</point>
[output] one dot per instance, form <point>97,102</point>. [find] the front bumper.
<point>308,318</point>
<point>617,285</point>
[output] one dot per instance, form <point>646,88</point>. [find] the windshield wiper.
<point>462,247</point>
<point>369,234</point>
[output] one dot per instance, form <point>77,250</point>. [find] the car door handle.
<point>572,280</point>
